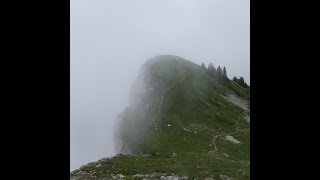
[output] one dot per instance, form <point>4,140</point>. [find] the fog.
<point>110,40</point>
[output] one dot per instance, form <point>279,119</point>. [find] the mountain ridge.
<point>181,122</point>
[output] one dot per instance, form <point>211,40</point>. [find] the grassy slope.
<point>195,113</point>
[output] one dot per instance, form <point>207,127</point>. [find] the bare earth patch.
<point>247,118</point>
<point>238,101</point>
<point>232,139</point>
<point>225,177</point>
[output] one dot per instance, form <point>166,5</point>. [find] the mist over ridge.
<point>111,40</point>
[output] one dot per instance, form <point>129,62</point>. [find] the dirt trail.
<point>215,150</point>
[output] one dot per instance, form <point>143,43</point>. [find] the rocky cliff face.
<point>156,76</point>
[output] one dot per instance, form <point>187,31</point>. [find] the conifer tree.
<point>224,71</point>
<point>219,70</point>
<point>203,66</point>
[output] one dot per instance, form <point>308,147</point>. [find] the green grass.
<point>192,166</point>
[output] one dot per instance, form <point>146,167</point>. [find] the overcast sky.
<point>111,39</point>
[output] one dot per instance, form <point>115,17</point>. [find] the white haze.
<point>110,40</point>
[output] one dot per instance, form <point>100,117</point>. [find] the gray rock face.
<point>238,102</point>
